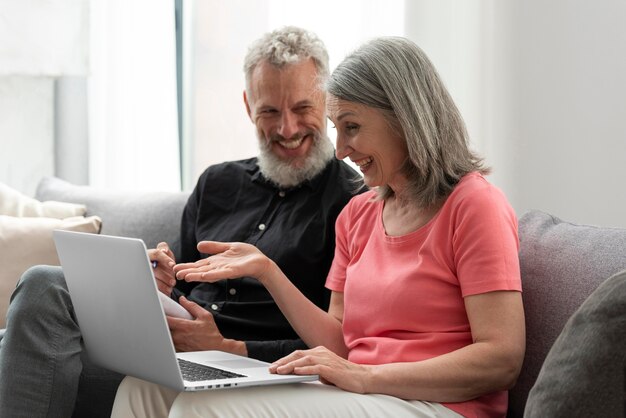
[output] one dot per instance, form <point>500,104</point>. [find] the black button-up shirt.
<point>294,227</point>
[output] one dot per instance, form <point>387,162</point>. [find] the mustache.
<point>295,137</point>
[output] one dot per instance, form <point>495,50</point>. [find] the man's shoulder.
<point>344,177</point>
<point>232,169</point>
<point>224,175</point>
<point>245,165</point>
<point>342,167</point>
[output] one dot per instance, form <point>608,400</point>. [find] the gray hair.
<point>395,76</point>
<point>288,45</point>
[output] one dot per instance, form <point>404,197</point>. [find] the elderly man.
<point>285,202</point>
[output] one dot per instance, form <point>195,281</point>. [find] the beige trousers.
<point>137,398</point>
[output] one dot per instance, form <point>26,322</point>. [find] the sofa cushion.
<point>14,203</point>
<point>583,375</point>
<point>150,216</point>
<point>562,264</point>
<point>26,226</point>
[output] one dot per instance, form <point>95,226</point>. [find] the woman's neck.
<point>402,216</point>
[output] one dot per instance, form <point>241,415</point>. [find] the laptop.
<point>114,293</point>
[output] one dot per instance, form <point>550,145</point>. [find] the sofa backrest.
<point>561,264</point>
<point>150,216</point>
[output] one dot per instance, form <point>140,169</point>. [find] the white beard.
<point>284,174</point>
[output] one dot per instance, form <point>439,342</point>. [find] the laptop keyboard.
<point>194,372</point>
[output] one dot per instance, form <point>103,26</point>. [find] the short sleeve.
<point>485,241</point>
<point>336,279</point>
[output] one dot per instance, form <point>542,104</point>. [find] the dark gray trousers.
<point>44,370</point>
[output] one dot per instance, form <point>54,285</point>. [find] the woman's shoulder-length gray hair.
<point>284,46</point>
<point>394,75</point>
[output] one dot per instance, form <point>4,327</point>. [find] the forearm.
<point>273,350</point>
<point>315,326</point>
<point>464,374</point>
<point>232,260</point>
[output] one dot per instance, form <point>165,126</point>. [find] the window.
<point>216,35</point>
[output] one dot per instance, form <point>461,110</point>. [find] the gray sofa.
<point>562,264</point>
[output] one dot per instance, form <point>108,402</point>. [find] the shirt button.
<point>281,194</point>
<point>262,227</point>
<point>232,291</point>
<point>214,307</point>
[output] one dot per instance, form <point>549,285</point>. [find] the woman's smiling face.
<point>365,136</point>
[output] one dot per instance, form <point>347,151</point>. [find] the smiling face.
<point>287,106</point>
<point>365,136</point>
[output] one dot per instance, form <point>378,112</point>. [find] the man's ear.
<point>245,100</point>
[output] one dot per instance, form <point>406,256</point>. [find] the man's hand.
<point>201,333</point>
<point>163,258</point>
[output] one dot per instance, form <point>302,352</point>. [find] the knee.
<point>38,276</point>
<point>138,398</point>
<point>128,385</point>
<point>124,396</point>
<point>36,287</point>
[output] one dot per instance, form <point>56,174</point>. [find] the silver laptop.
<point>117,306</point>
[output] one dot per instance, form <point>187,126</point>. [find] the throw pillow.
<point>25,242</point>
<point>14,203</point>
<point>583,374</point>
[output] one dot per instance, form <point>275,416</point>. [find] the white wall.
<point>40,40</point>
<point>540,83</point>
<point>542,87</point>
<point>88,93</point>
<point>26,131</point>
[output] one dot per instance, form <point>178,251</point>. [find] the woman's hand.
<point>331,368</point>
<point>163,261</point>
<point>229,261</point>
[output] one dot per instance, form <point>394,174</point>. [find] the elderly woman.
<point>426,315</point>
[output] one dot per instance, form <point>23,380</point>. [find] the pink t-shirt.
<point>403,295</point>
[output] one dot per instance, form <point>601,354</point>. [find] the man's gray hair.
<point>288,45</point>
<point>395,76</point>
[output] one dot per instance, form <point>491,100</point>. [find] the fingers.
<point>206,276</point>
<point>305,364</point>
<point>165,278</point>
<point>302,361</point>
<point>203,271</point>
<point>174,323</point>
<point>163,262</point>
<point>182,271</point>
<point>205,247</point>
<point>195,335</point>
<point>178,268</point>
<point>213,247</point>
<point>162,255</point>
<point>195,310</point>
<point>164,288</point>
<point>163,246</point>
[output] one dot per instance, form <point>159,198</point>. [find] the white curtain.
<point>216,126</point>
<point>133,128</point>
